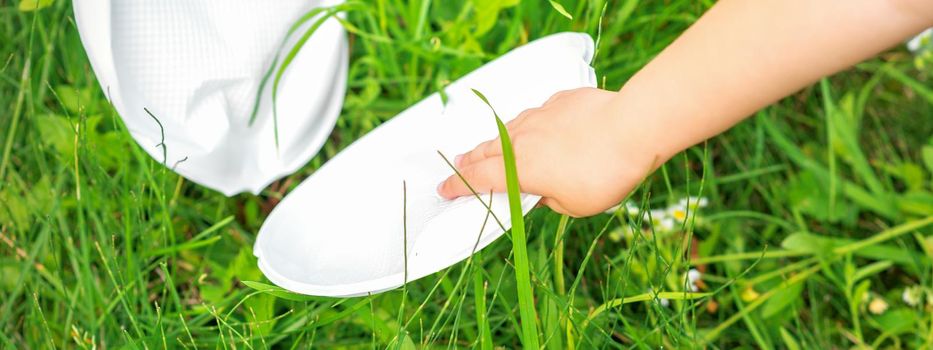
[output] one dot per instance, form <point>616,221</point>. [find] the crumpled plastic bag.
<point>345,230</point>
<point>196,65</point>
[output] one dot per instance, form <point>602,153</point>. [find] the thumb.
<point>483,176</point>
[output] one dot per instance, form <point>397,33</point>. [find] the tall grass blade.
<point>526,305</point>
<point>560,9</point>
<point>479,295</point>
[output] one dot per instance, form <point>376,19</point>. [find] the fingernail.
<point>440,186</point>
<point>457,160</point>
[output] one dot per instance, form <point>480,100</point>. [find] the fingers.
<point>555,97</point>
<point>513,125</point>
<point>560,94</point>
<point>483,176</point>
<point>482,167</point>
<point>486,176</point>
<point>492,148</point>
<point>485,150</point>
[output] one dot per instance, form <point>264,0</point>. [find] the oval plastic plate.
<point>342,232</point>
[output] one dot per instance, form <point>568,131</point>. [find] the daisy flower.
<point>627,208</point>
<point>687,206</point>
<point>693,202</point>
<point>661,220</point>
<point>693,276</point>
<point>663,301</point>
<point>912,295</point>
<point>877,306</point>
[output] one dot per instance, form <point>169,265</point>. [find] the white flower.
<point>668,224</point>
<point>877,306</point>
<point>657,214</point>
<point>627,208</point>
<point>661,220</point>
<point>693,202</point>
<point>693,276</point>
<point>663,301</point>
<point>678,212</point>
<point>686,208</point>
<point>631,208</point>
<point>613,209</point>
<point>921,41</point>
<point>622,232</point>
<point>912,295</point>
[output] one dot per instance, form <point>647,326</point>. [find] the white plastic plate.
<point>197,66</point>
<point>340,232</point>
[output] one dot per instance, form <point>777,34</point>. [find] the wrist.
<point>639,125</point>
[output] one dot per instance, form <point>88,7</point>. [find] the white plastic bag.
<point>340,233</point>
<point>197,66</point>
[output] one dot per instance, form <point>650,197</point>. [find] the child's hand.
<point>563,153</point>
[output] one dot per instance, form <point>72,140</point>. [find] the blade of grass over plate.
<point>287,61</point>
<point>526,305</point>
<point>275,61</point>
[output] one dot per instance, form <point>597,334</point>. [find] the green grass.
<point>526,305</point>
<point>819,207</point>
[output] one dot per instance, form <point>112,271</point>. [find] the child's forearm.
<point>745,54</point>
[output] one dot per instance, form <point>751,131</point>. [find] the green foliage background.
<point>819,207</point>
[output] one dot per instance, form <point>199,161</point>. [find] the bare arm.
<point>739,57</point>
<point>743,55</point>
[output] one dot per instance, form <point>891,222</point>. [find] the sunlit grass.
<point>819,210</point>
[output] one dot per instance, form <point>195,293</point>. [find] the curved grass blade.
<point>278,292</point>
<point>526,305</point>
<point>275,61</point>
<point>287,61</point>
<point>642,297</point>
<point>560,9</point>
